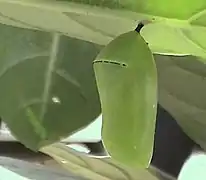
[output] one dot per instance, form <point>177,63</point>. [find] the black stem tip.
<point>139,27</point>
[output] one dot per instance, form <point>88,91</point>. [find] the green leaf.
<point>179,26</point>
<point>99,168</point>
<point>182,88</point>
<point>175,40</point>
<point>166,8</point>
<point>48,88</point>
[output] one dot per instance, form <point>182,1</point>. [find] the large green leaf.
<point>99,168</point>
<point>182,92</point>
<point>166,8</point>
<point>48,88</point>
<point>179,28</point>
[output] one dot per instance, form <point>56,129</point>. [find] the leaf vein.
<point>48,74</point>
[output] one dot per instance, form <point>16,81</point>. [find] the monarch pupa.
<point>126,78</point>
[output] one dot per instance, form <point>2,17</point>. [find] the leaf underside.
<point>48,88</point>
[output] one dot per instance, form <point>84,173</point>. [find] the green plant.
<point>46,74</point>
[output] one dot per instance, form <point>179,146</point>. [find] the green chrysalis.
<point>126,78</point>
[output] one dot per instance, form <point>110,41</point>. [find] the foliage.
<point>99,168</point>
<point>47,82</point>
<point>179,26</point>
<point>48,88</point>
